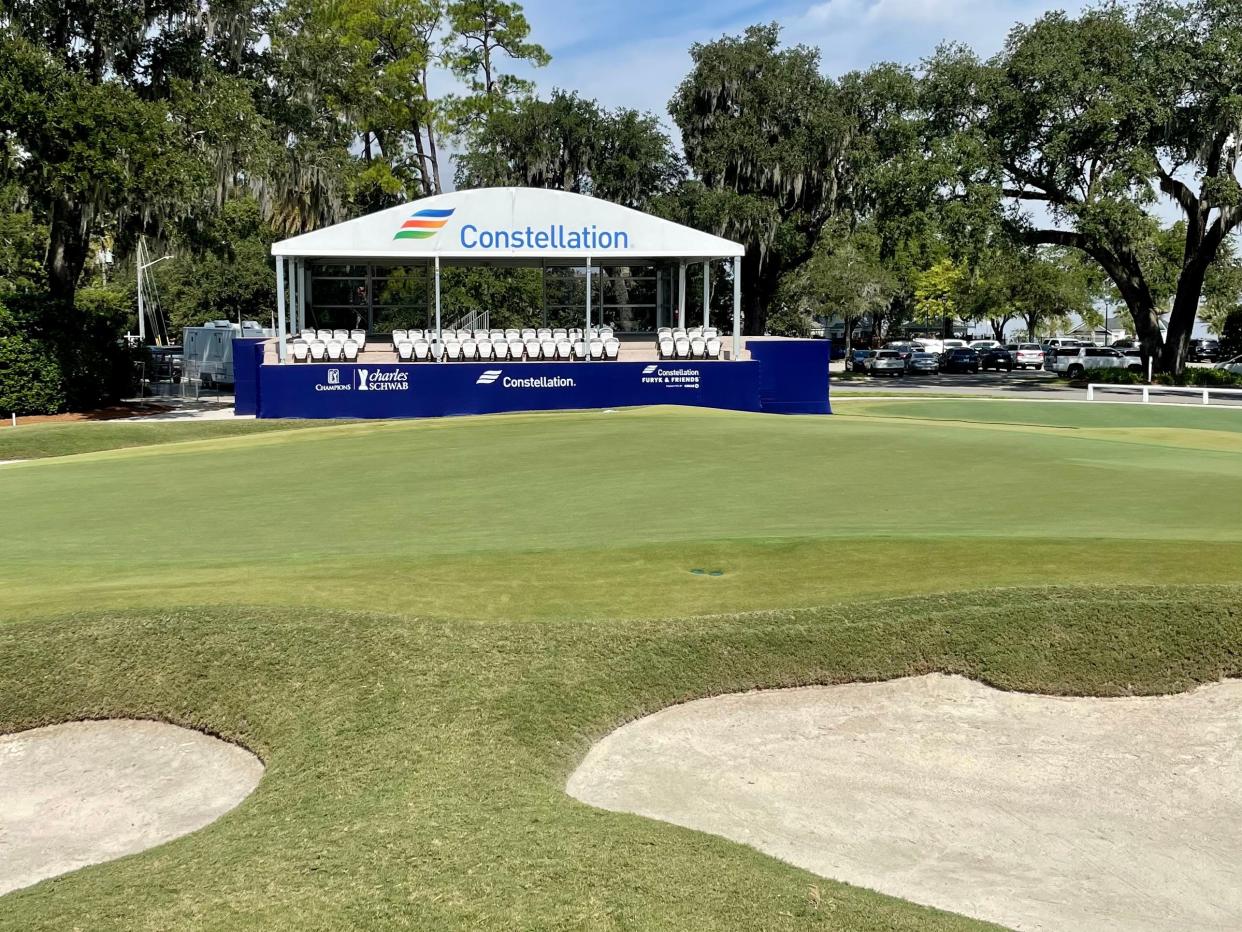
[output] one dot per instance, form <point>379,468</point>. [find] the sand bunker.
<point>85,792</point>
<point>1031,811</point>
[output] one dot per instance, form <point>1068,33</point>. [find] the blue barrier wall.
<point>247,356</point>
<point>395,390</point>
<point>794,375</point>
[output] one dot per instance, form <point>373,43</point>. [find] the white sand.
<point>86,792</point>
<point>1034,812</point>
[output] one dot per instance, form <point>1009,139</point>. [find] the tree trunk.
<point>1182,318</point>
<point>754,305</point>
<point>67,248</point>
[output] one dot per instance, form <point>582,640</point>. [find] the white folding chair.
<point>359,337</point>
<point>665,345</point>
<point>405,350</point>
<point>479,335</point>
<point>534,349</point>
<point>543,333</point>
<point>308,335</point>
<point>452,350</point>
<point>605,333</point>
<point>529,334</point>
<point>547,348</point>
<point>612,349</point>
<point>580,349</point>
<point>560,333</point>
<point>500,349</point>
<point>664,331</point>
<point>597,349</point>
<point>513,334</point>
<point>413,335</point>
<point>516,349</point>
<point>681,347</point>
<point>563,349</point>
<point>486,349</point>
<point>712,349</point>
<point>340,335</point>
<point>318,351</point>
<point>323,336</point>
<point>495,335</point>
<point>463,335</point>
<point>469,350</point>
<point>697,347</point>
<point>399,337</point>
<point>350,350</point>
<point>709,332</point>
<point>695,332</point>
<point>301,352</point>
<point>422,350</point>
<point>336,349</point>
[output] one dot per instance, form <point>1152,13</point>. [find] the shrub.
<point>1116,376</point>
<point>56,358</point>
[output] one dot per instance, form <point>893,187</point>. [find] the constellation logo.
<point>674,378</point>
<point>424,224</point>
<point>334,376</point>
<point>488,377</point>
<point>649,370</point>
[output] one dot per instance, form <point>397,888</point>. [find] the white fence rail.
<point>1205,391</point>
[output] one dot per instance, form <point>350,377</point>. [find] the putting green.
<point>420,627</point>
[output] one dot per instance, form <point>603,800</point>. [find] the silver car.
<point>924,362</point>
<point>888,362</point>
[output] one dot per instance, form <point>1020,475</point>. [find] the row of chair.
<point>495,336</point>
<point>324,336</point>
<point>705,332</point>
<point>688,347</point>
<point>517,350</point>
<point>324,350</point>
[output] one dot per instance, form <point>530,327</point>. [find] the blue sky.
<point>634,53</point>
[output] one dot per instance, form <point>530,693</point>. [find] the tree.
<point>765,133</point>
<point>937,292</point>
<point>843,277</point>
<point>480,31</point>
<point>1089,118</point>
<point>572,144</point>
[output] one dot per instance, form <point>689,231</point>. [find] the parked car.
<point>924,362</point>
<point>906,349</point>
<point>960,359</point>
<point>1233,365</point>
<point>1126,344</point>
<point>1026,354</point>
<point>951,344</point>
<point>858,359</point>
<point>888,362</point>
<point>982,345</point>
<point>995,357</point>
<point>1075,362</point>
<point>930,345</point>
<point>1204,350</point>
<point>167,363</point>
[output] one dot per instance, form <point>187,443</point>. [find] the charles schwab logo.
<point>674,378</point>
<point>383,380</point>
<point>491,376</point>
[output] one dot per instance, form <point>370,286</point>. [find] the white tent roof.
<point>510,226</point>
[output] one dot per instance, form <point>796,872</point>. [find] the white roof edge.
<point>445,224</point>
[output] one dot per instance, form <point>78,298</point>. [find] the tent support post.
<point>681,297</point>
<point>707,295</point>
<point>587,335</point>
<point>280,303</point>
<point>439,335</point>
<point>737,306</point>
<point>295,295</point>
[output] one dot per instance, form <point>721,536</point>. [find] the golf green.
<point>420,627</point>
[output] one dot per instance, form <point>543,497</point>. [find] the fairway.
<point>420,627</point>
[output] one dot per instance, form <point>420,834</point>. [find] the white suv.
<point>1026,354</point>
<point>1074,362</point>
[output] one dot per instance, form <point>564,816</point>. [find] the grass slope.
<point>415,768</point>
<point>422,626</point>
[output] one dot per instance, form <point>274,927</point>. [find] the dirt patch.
<point>86,792</point>
<point>1035,812</point>
<point>113,413</point>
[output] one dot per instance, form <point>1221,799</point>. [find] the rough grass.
<point>415,768</point>
<point>35,441</point>
<point>422,627</point>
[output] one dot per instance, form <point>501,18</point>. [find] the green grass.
<point>421,627</point>
<point>51,439</point>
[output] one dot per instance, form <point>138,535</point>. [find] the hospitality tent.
<point>503,227</point>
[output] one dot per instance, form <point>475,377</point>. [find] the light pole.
<point>142,327</point>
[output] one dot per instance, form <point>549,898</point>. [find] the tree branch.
<point>1023,194</point>
<point>1179,191</point>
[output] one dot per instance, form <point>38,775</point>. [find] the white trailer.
<point>208,350</point>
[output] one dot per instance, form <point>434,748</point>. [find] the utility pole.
<point>142,267</point>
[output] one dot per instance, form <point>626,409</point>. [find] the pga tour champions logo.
<point>492,376</point>
<point>674,378</point>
